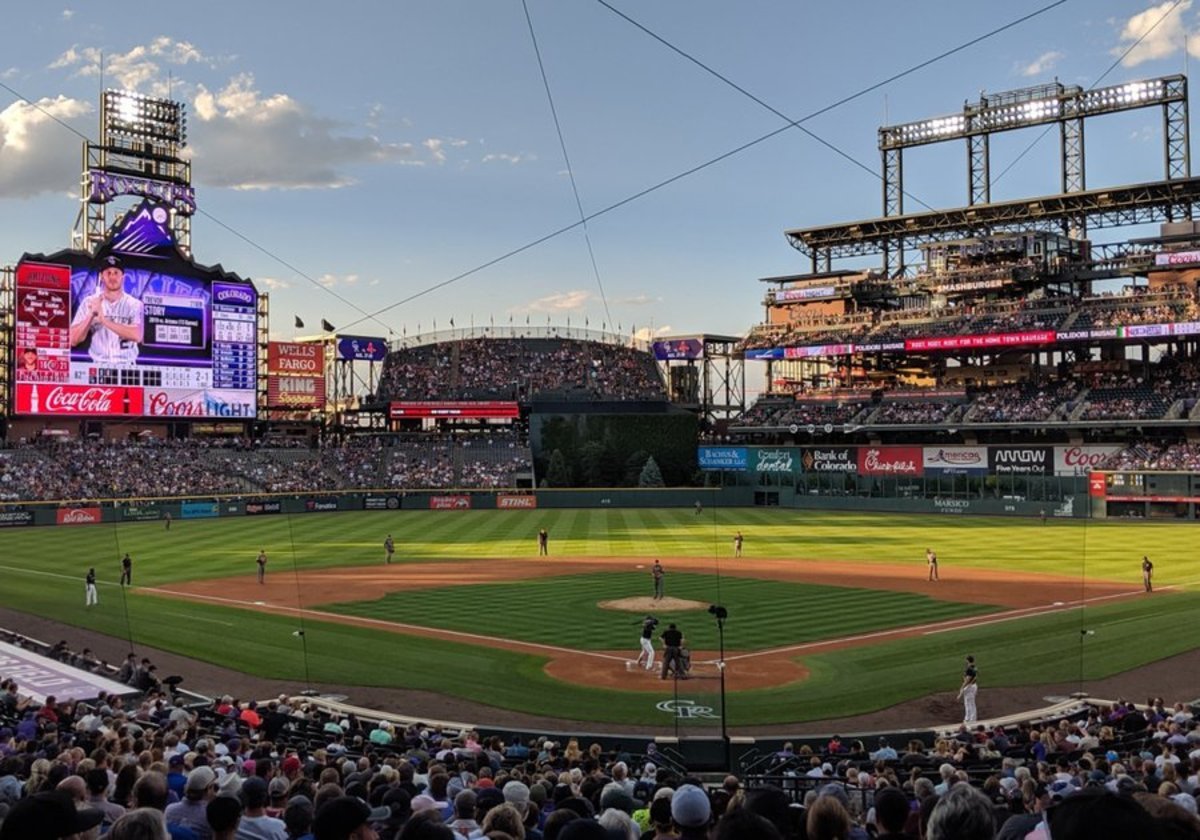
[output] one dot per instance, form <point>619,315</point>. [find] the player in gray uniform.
<point>112,319</point>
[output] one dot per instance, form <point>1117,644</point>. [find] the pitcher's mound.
<point>649,605</point>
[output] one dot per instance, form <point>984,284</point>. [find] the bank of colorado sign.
<point>829,459</point>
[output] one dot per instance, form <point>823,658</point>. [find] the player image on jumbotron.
<point>109,320</point>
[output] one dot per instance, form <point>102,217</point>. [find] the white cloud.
<point>138,69</point>
<point>637,300</point>
<point>1166,38</point>
<point>1043,64</point>
<point>331,280</point>
<point>271,283</point>
<point>648,333</point>
<point>572,301</point>
<point>37,155</point>
<point>10,73</point>
<point>67,14</point>
<point>503,157</point>
<point>292,147</point>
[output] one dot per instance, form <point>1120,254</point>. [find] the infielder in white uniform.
<point>112,319</point>
<point>647,642</point>
<point>970,687</point>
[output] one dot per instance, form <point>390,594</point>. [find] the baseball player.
<point>931,559</point>
<point>261,560</point>
<point>111,319</point>
<point>647,642</point>
<point>968,690</point>
<point>126,570</point>
<point>91,599</point>
<point>389,548</point>
<point>1147,573</point>
<point>656,571</point>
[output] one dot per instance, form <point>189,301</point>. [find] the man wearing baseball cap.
<point>48,816</point>
<point>348,818</point>
<point>112,320</point>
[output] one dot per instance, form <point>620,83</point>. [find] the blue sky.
<point>385,147</point>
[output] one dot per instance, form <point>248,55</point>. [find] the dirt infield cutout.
<point>1023,595</point>
<point>647,605</point>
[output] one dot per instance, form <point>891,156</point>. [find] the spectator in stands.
<point>200,789</point>
<point>225,816</point>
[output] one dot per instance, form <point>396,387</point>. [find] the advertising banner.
<point>295,392</point>
<point>679,348</point>
<point>458,502</point>
<point>956,342</point>
<point>829,459</point>
<point>143,513</point>
<point>260,508</point>
<point>955,460</point>
<point>509,501</point>
<point>1021,460</point>
<point>818,350</point>
<point>294,359</point>
<point>1172,258</point>
<point>199,510</point>
<point>484,409</point>
<point>15,518</point>
<point>729,458</point>
<point>320,505</point>
<point>381,503</point>
<point>775,460</point>
<point>180,402</point>
<point>78,516</point>
<point>79,400</point>
<point>1097,485</point>
<point>102,337</point>
<point>361,349</point>
<point>891,460</point>
<point>1073,460</point>
<point>808,293</point>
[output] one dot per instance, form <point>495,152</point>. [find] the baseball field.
<point>830,614</point>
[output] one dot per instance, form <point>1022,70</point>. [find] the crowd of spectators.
<point>1027,402</point>
<point>519,369</point>
<point>1131,307</point>
<point>789,412</point>
<point>914,412</point>
<point>150,468</point>
<point>151,766</point>
<point>1178,456</point>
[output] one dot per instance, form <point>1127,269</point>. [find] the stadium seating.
<point>303,754</point>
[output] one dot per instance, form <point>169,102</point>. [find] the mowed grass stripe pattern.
<point>219,548</point>
<point>564,610</point>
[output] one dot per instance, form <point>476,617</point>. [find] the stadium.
<point>950,541</point>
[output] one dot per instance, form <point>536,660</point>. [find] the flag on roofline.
<point>299,323</point>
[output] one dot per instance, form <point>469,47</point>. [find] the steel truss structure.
<point>1072,211</point>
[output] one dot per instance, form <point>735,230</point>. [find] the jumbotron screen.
<point>116,339</point>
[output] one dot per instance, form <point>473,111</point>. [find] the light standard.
<point>720,614</point>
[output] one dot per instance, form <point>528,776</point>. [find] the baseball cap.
<point>278,787</point>
<point>111,261</point>
<point>200,779</point>
<point>291,764</point>
<point>690,807</point>
<point>48,816</point>
<point>341,817</point>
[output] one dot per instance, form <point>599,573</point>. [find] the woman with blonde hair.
<point>572,753</point>
<point>504,818</point>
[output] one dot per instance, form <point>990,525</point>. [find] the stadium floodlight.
<point>146,118</point>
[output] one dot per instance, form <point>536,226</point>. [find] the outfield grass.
<point>763,614</point>
<point>43,572</point>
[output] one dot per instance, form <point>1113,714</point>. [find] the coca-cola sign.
<point>78,400</point>
<point>890,460</point>
<point>78,516</point>
<point>1074,460</point>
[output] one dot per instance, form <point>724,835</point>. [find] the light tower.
<point>140,153</point>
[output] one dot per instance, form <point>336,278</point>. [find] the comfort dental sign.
<point>40,677</point>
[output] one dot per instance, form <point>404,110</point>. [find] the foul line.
<point>414,629</point>
<point>936,627</point>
